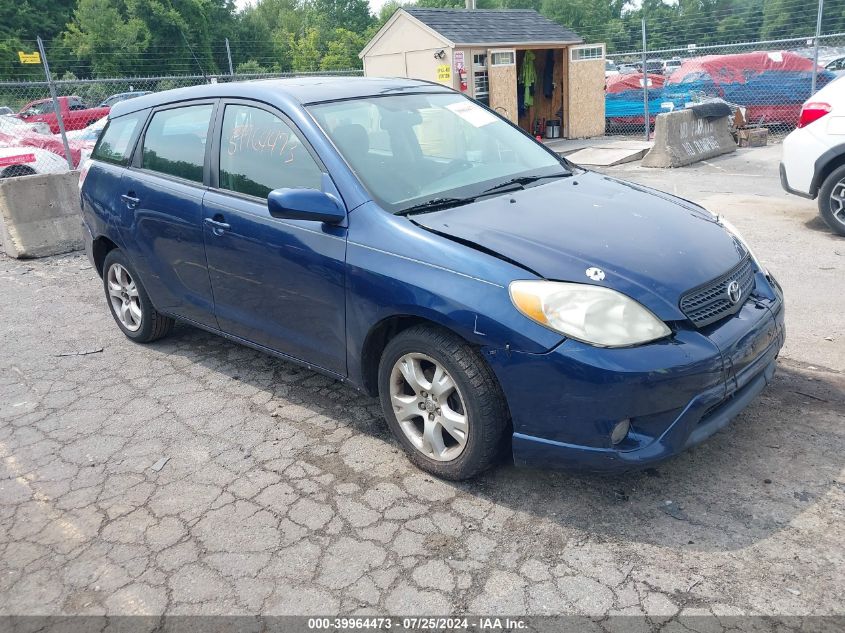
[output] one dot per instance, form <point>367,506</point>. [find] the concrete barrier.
<point>40,215</point>
<point>682,138</point>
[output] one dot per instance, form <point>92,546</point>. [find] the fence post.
<point>645,84</point>
<point>816,48</point>
<point>56,106</point>
<point>229,55</point>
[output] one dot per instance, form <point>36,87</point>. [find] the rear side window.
<point>259,152</point>
<point>174,143</point>
<point>115,143</point>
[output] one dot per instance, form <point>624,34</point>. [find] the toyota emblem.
<point>734,291</point>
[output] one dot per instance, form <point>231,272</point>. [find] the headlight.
<point>592,314</point>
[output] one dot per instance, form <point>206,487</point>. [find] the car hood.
<point>651,246</point>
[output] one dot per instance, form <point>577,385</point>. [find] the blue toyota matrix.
<point>399,236</point>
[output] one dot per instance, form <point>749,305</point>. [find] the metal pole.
<point>645,85</point>
<point>229,55</point>
<point>816,48</point>
<point>56,106</point>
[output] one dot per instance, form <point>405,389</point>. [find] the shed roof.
<point>493,26</point>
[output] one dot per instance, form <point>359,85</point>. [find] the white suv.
<point>813,163</point>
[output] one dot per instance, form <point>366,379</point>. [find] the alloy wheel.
<point>429,407</point>
<point>837,202</point>
<point>123,294</point>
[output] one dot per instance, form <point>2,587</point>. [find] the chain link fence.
<point>30,137</point>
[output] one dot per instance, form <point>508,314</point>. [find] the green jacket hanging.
<point>528,77</point>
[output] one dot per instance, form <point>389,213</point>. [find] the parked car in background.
<point>610,68</point>
<point>18,160</point>
<point>491,293</point>
<point>6,110</point>
<point>653,66</point>
<point>628,69</point>
<point>122,96</point>
<point>50,142</point>
<point>89,134</point>
<point>837,66</point>
<point>13,125</point>
<point>75,113</point>
<point>813,163</point>
<point>86,138</point>
<point>671,65</point>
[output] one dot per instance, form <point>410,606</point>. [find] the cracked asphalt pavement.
<point>283,492</point>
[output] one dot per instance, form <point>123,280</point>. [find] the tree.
<point>305,51</point>
<point>387,10</point>
<point>328,15</point>
<point>26,20</point>
<point>783,18</point>
<point>149,36</point>
<point>250,67</point>
<point>101,36</point>
<point>343,50</point>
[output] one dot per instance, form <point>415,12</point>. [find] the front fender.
<point>395,268</point>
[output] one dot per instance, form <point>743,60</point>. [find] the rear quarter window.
<point>115,144</point>
<point>174,142</point>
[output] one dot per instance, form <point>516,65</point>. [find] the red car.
<point>47,142</point>
<point>75,114</point>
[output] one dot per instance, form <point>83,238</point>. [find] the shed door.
<point>501,65</point>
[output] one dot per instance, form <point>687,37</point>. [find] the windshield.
<point>44,107</point>
<point>411,149</point>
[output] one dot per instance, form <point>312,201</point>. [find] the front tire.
<point>832,200</point>
<point>442,402</point>
<point>129,303</point>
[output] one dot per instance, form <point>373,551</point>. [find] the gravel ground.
<point>284,493</point>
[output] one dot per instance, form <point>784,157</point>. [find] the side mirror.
<point>305,204</point>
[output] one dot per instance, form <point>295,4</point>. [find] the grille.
<point>709,303</point>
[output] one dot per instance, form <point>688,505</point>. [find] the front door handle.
<point>130,200</point>
<point>217,226</point>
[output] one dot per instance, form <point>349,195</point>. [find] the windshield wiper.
<point>445,203</point>
<point>436,203</point>
<point>521,181</point>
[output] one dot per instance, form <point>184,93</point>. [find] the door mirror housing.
<point>305,204</point>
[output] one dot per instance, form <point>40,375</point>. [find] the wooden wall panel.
<point>586,98</point>
<point>502,89</point>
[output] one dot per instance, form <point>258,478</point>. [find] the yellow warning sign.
<point>29,58</point>
<point>444,72</point>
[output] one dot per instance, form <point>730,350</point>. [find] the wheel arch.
<point>832,159</point>
<point>384,331</point>
<point>100,248</point>
<point>377,339</point>
<point>13,171</point>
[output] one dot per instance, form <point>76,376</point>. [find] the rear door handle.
<point>130,201</point>
<point>217,227</point>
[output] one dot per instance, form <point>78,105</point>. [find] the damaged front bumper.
<point>676,393</point>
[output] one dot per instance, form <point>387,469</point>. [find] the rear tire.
<point>832,200</point>
<point>451,415</point>
<point>129,303</point>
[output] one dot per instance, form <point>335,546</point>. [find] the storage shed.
<point>531,70</point>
